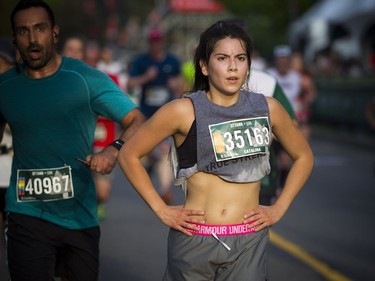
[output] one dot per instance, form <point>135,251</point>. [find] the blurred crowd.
<point>139,73</point>
<point>117,55</point>
<point>147,64</point>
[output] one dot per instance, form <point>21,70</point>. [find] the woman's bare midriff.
<point>223,202</point>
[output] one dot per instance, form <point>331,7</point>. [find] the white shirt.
<point>291,85</point>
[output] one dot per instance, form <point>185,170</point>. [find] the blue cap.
<point>282,51</point>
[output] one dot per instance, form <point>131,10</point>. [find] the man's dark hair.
<point>25,4</point>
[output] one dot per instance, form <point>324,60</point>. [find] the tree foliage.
<point>71,16</point>
<point>268,20</point>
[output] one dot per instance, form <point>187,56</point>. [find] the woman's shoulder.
<point>272,102</point>
<point>277,111</point>
<point>181,105</point>
<point>176,114</point>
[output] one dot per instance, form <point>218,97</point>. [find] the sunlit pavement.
<point>327,234</point>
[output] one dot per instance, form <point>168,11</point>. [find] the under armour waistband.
<point>222,229</point>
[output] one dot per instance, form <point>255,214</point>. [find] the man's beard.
<point>42,61</point>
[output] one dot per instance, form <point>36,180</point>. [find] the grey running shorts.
<point>217,252</point>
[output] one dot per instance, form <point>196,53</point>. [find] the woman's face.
<point>227,67</point>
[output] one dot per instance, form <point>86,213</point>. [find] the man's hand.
<point>104,161</point>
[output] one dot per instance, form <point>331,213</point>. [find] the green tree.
<point>268,20</point>
<point>71,16</point>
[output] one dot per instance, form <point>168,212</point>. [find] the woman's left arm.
<point>294,143</point>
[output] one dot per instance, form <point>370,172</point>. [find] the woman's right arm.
<point>167,121</point>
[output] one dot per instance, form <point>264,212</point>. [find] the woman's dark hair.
<point>25,4</point>
<point>207,43</point>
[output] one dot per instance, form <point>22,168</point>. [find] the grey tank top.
<point>232,142</point>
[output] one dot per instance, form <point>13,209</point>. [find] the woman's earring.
<point>245,85</point>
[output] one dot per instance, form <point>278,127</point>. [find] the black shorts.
<point>3,192</point>
<point>37,247</point>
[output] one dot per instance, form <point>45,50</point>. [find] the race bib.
<point>239,138</point>
<point>44,184</point>
<point>157,96</point>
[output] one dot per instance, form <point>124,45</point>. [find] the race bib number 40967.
<point>44,184</point>
<point>239,138</point>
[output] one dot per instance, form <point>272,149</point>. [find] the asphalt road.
<point>327,234</point>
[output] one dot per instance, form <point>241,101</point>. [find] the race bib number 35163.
<point>44,184</point>
<point>239,138</point>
